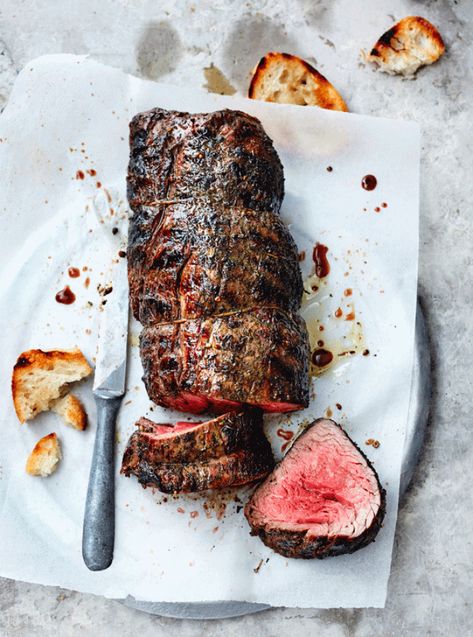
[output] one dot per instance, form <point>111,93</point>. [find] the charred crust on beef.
<point>227,451</point>
<point>333,502</point>
<point>213,271</point>
<point>194,442</point>
<point>220,360</point>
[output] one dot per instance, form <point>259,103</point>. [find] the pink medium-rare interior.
<point>168,430</point>
<point>194,404</point>
<point>323,486</point>
<point>277,408</point>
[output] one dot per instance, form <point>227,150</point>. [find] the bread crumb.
<point>45,457</point>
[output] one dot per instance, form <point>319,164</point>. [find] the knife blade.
<point>98,535</point>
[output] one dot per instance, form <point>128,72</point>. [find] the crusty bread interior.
<point>39,378</point>
<point>71,411</point>
<point>45,457</point>
<point>411,43</point>
<point>287,79</point>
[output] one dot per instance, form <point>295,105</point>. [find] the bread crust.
<point>72,411</point>
<point>41,377</point>
<point>322,93</point>
<point>411,43</point>
<point>45,457</point>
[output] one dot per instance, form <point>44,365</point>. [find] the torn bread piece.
<point>288,79</point>
<point>39,378</point>
<point>411,43</point>
<point>71,411</point>
<point>44,458</point>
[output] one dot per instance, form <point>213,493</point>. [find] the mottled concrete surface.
<point>431,589</point>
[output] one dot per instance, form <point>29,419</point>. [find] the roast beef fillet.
<point>201,260</point>
<point>190,442</point>
<point>226,451</point>
<point>323,499</point>
<point>258,358</point>
<point>225,155</point>
<point>213,271</point>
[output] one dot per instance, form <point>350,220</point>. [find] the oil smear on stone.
<point>216,82</point>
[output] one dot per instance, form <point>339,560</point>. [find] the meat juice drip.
<point>65,296</point>
<point>285,435</point>
<point>73,272</point>
<point>322,357</point>
<point>319,256</point>
<point>337,346</point>
<point>369,182</point>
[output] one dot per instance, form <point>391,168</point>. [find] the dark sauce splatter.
<point>329,169</point>
<point>319,256</point>
<point>369,182</point>
<point>73,272</point>
<point>80,174</point>
<point>65,296</point>
<point>322,357</point>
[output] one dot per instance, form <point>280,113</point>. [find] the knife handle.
<point>98,533</point>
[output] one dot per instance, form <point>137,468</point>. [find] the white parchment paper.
<point>68,114</point>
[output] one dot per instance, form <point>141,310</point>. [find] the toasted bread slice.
<point>287,79</point>
<point>44,458</point>
<point>39,378</point>
<point>411,43</point>
<point>71,411</point>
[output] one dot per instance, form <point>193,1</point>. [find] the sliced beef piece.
<point>225,155</point>
<point>149,426</point>
<point>324,498</point>
<point>190,442</point>
<point>230,470</point>
<point>258,358</point>
<point>197,259</point>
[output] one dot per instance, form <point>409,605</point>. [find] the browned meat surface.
<point>259,358</point>
<point>226,451</point>
<point>225,155</point>
<point>213,271</point>
<point>190,442</point>
<point>323,499</point>
<point>208,259</point>
<point>240,467</point>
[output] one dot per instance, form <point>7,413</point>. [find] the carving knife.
<point>109,387</point>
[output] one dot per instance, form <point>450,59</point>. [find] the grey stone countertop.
<point>431,585</point>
